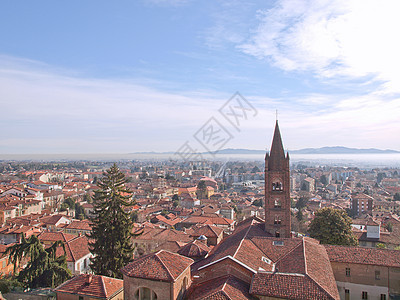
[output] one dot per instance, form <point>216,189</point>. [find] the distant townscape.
<point>267,229</point>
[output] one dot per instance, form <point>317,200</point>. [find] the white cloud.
<point>45,107</point>
<point>46,110</point>
<point>349,38</point>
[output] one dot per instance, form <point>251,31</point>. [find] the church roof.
<point>251,247</point>
<point>162,265</point>
<point>277,154</point>
<point>227,287</point>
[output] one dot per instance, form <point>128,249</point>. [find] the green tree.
<point>134,216</point>
<point>389,227</point>
<point>70,202</point>
<point>301,203</point>
<point>380,246</point>
<point>112,227</point>
<point>9,284</point>
<point>201,189</point>
<point>258,202</point>
<point>299,216</point>
<point>332,226</point>
<point>380,177</point>
<point>45,268</point>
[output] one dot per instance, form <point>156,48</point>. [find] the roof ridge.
<point>163,264</point>
<point>103,284</point>
<point>70,250</point>
<point>319,286</point>
<point>212,229</point>
<point>289,252</point>
<point>225,293</point>
<point>304,254</point>
<point>240,244</point>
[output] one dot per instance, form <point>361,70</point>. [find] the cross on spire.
<point>276,113</point>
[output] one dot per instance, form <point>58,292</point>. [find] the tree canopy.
<point>44,268</point>
<point>332,226</point>
<point>112,226</point>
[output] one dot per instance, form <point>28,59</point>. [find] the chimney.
<point>89,279</point>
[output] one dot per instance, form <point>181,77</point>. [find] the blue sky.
<point>127,76</point>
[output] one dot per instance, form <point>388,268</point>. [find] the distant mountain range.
<point>323,150</point>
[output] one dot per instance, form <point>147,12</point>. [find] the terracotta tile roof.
<point>208,231</point>
<point>80,225</point>
<point>211,220</point>
<point>171,246</point>
<point>162,234</point>
<point>47,236</point>
<point>92,286</point>
<point>319,268</point>
<point>76,247</point>
<point>365,256</point>
<point>194,249</point>
<point>53,220</point>
<point>162,265</point>
<point>16,229</point>
<point>251,246</point>
<point>228,287</point>
<point>287,286</point>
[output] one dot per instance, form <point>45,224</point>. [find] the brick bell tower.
<point>277,189</point>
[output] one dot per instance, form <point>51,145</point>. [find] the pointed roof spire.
<point>277,154</point>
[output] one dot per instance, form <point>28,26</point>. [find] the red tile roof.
<point>162,265</point>
<point>365,256</point>
<point>47,236</point>
<point>80,225</point>
<point>252,247</point>
<point>208,231</point>
<point>287,286</point>
<point>194,249</point>
<point>76,247</point>
<point>92,286</point>
<point>223,288</point>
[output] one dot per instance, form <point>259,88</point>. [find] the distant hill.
<point>323,150</point>
<point>342,150</point>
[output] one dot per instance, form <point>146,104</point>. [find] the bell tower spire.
<point>277,189</point>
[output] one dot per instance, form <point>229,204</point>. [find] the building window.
<point>277,220</point>
<point>364,295</point>
<point>346,294</point>
<point>383,296</point>
<point>80,297</point>
<point>277,186</point>
<point>277,203</point>
<point>348,272</point>
<point>377,275</point>
<point>277,234</point>
<point>144,293</point>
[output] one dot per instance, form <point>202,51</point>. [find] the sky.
<point>168,75</point>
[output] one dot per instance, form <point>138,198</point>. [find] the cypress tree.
<point>110,240</point>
